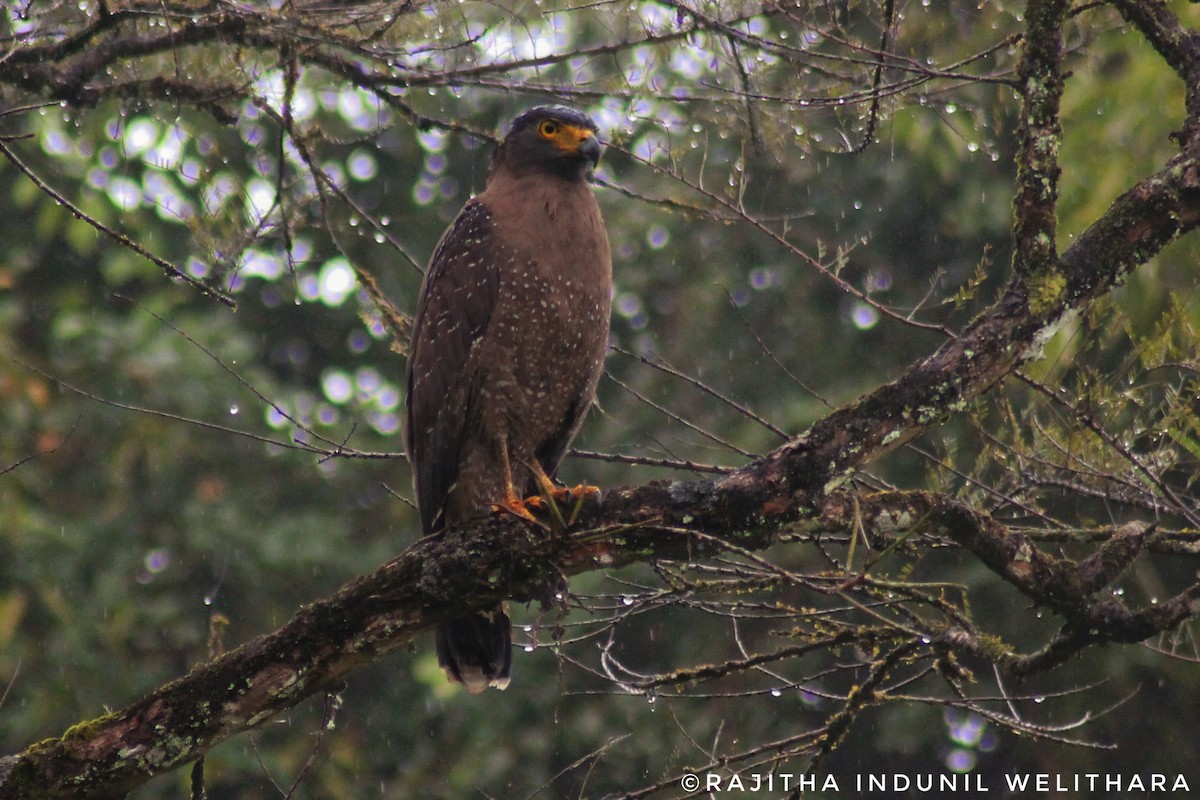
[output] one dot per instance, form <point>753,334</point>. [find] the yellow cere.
<point>565,137</point>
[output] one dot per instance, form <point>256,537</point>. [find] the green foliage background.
<point>125,523</point>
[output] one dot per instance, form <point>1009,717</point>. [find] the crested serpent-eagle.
<point>508,345</point>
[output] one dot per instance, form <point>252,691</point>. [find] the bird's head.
<point>555,139</point>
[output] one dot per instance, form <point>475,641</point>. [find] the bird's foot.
<point>564,495</point>
<point>518,508</point>
<point>549,502</point>
<point>556,498</point>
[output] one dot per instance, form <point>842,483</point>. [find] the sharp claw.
<point>553,496</point>
<point>515,507</point>
<point>564,494</point>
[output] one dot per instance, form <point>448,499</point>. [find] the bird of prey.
<point>508,345</point>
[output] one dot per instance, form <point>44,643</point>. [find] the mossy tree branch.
<point>1040,132</point>
<point>800,485</point>
<point>791,487</point>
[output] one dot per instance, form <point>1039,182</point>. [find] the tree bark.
<point>798,486</point>
<point>475,566</point>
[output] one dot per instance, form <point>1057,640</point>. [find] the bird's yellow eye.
<point>549,129</point>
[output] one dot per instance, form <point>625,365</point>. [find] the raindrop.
<point>864,316</point>
<point>157,560</point>
<point>657,237</point>
<point>776,693</point>
<point>960,760</point>
<point>762,278</point>
<point>627,601</point>
<point>234,409</point>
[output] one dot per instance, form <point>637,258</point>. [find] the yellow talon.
<point>516,507</point>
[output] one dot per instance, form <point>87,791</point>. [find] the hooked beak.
<point>590,149</point>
